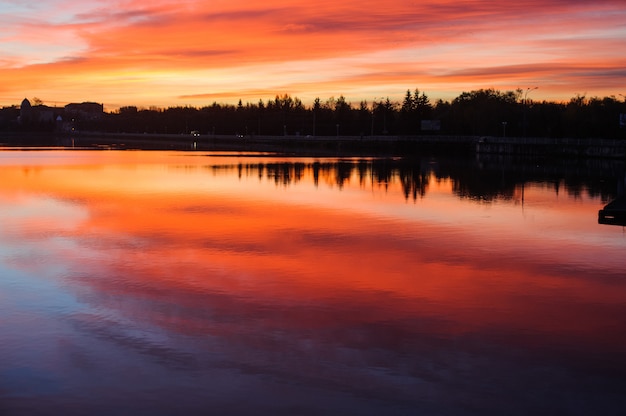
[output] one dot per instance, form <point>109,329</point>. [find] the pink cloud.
<point>352,46</point>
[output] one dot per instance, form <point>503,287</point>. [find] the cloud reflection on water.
<point>183,283</point>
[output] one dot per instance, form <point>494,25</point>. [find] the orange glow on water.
<point>128,278</point>
<point>184,230</point>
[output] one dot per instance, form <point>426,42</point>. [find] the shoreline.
<point>391,146</point>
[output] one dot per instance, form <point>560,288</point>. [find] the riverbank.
<point>333,145</point>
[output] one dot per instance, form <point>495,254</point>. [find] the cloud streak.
<point>183,52</point>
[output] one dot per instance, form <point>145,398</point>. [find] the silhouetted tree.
<point>478,112</point>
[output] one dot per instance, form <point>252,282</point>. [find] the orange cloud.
<point>170,53</point>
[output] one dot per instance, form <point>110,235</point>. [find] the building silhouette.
<point>84,111</point>
<point>38,114</point>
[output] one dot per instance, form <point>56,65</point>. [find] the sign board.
<point>431,125</point>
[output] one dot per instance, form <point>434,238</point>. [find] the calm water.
<point>158,283</point>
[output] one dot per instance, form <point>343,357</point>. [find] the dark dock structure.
<point>614,213</point>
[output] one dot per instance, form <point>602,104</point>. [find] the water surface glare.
<point>162,283</point>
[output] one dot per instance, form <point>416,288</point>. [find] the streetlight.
<point>529,89</point>
<point>373,108</point>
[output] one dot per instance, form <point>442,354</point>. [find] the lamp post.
<point>529,89</point>
<point>373,108</point>
<point>622,116</point>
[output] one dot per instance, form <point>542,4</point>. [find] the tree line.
<point>484,112</point>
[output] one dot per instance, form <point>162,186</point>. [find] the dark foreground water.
<point>166,283</point>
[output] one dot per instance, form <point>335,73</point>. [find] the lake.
<point>164,282</point>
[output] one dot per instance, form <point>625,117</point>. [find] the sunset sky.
<point>192,52</point>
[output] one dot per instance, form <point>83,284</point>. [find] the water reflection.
<point>161,283</point>
<point>480,180</point>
